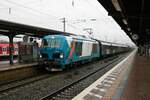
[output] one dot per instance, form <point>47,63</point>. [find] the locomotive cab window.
<point>44,43</point>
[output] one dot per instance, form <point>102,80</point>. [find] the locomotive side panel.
<point>79,50</point>
<point>87,48</point>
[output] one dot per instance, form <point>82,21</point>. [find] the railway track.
<point>69,91</point>
<point>23,82</point>
<point>63,81</point>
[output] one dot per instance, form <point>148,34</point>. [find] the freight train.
<point>59,51</point>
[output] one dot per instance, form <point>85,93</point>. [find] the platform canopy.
<point>12,28</point>
<point>133,16</point>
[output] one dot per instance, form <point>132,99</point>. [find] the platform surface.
<point>7,66</point>
<point>112,84</point>
<point>138,85</point>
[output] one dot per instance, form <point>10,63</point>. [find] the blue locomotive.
<point>58,51</point>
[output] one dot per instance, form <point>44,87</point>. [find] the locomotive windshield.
<point>53,43</point>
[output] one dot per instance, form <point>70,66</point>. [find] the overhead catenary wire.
<point>35,10</point>
<point>72,26</point>
<point>79,29</point>
<point>20,5</point>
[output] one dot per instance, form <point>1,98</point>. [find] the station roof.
<point>12,28</point>
<point>133,16</point>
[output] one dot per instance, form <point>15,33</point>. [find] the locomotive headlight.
<point>40,56</point>
<point>61,56</point>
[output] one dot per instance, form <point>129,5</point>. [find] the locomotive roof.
<point>78,37</point>
<point>81,37</point>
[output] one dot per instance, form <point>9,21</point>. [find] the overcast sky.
<point>78,14</point>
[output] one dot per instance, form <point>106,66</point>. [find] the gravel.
<point>41,88</point>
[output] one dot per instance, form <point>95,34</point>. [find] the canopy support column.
<point>11,49</point>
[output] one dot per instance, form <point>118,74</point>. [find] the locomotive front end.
<point>52,53</point>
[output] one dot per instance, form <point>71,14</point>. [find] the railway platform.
<point>129,80</point>
<point>17,71</point>
<point>6,67</point>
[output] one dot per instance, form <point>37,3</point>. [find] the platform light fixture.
<point>128,29</point>
<point>135,37</point>
<point>17,37</point>
<point>28,33</point>
<point>124,21</point>
<point>116,5</point>
<point>1,30</point>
